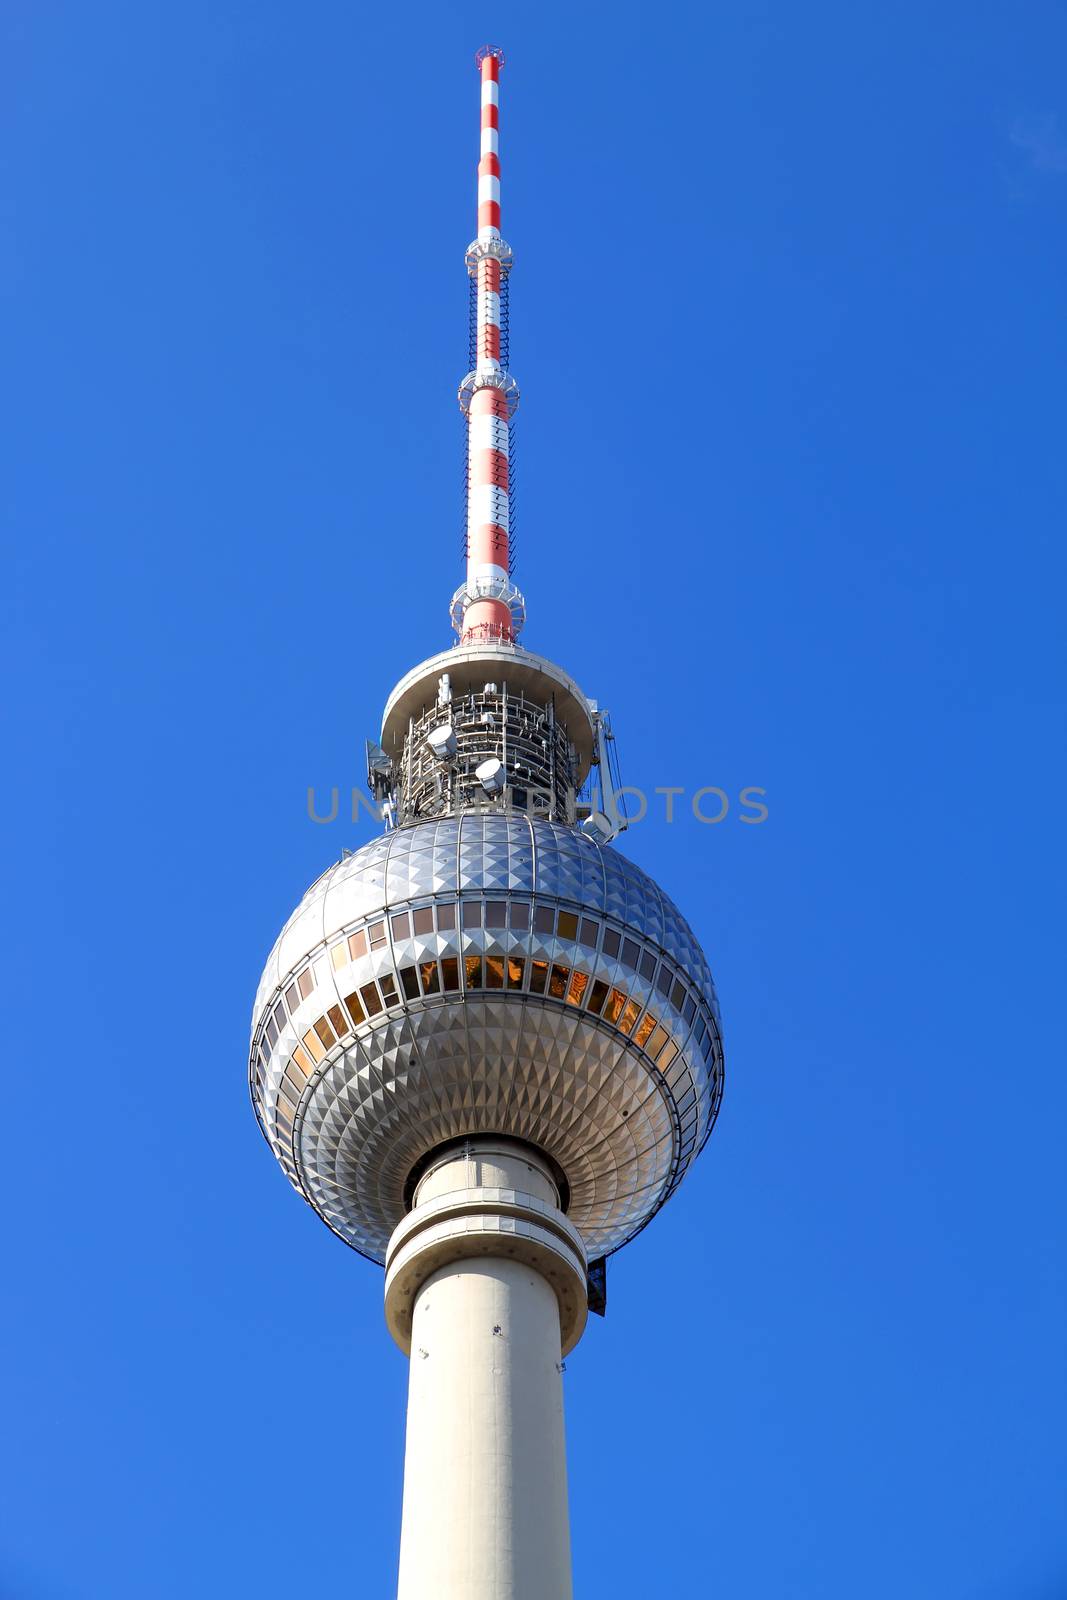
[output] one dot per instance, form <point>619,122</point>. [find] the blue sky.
<point>788,303</point>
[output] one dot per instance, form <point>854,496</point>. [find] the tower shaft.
<point>486,1280</point>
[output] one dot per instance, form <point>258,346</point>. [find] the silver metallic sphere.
<point>486,973</point>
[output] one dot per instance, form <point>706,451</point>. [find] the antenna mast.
<point>488,607</point>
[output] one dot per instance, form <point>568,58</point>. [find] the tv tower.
<point>486,1047</point>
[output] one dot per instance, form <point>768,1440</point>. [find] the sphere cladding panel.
<point>486,972</point>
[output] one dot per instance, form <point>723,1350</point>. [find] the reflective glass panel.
<point>305,985</point>
<point>494,972</point>
<point>292,999</point>
<point>557,985</point>
<point>576,992</point>
<point>588,933</point>
<point>338,1020</point>
<point>474,972</point>
<point>388,988</point>
<point>446,916</point>
<point>376,934</point>
<point>325,1032</point>
<point>657,1041</point>
<point>495,913</point>
<point>431,982</point>
<point>472,913</point>
<point>644,1028</point>
<point>355,1010</point>
<point>409,980</point>
<point>400,925</point>
<point>516,971</point>
<point>450,972</point>
<point>423,919</point>
<point>630,1015</point>
<point>311,1039</point>
<point>611,942</point>
<point>630,954</point>
<point>357,944</point>
<point>544,919</point>
<point>371,1000</point>
<point>567,925</point>
<point>613,1009</point>
<point>519,915</point>
<point>538,976</point>
<point>597,995</point>
<point>648,966</point>
<point>339,956</point>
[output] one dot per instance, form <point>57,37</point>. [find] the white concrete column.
<point>486,1290</point>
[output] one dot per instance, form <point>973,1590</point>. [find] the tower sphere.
<point>486,973</point>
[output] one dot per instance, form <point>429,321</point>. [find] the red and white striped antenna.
<point>488,607</point>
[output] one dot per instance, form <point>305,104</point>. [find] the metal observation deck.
<point>486,973</point>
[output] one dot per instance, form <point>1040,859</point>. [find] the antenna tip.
<point>486,52</point>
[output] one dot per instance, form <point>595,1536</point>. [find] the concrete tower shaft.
<point>485,1290</point>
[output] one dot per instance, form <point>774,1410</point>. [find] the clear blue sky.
<point>790,298</point>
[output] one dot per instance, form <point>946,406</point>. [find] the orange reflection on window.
<point>616,1001</point>
<point>338,1020</point>
<point>576,992</point>
<point>355,1010</point>
<point>644,1028</point>
<point>630,1015</point>
<point>474,972</point>
<point>339,956</point>
<point>325,1032</point>
<point>516,971</point>
<point>494,972</point>
<point>315,1049</point>
<point>357,945</point>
